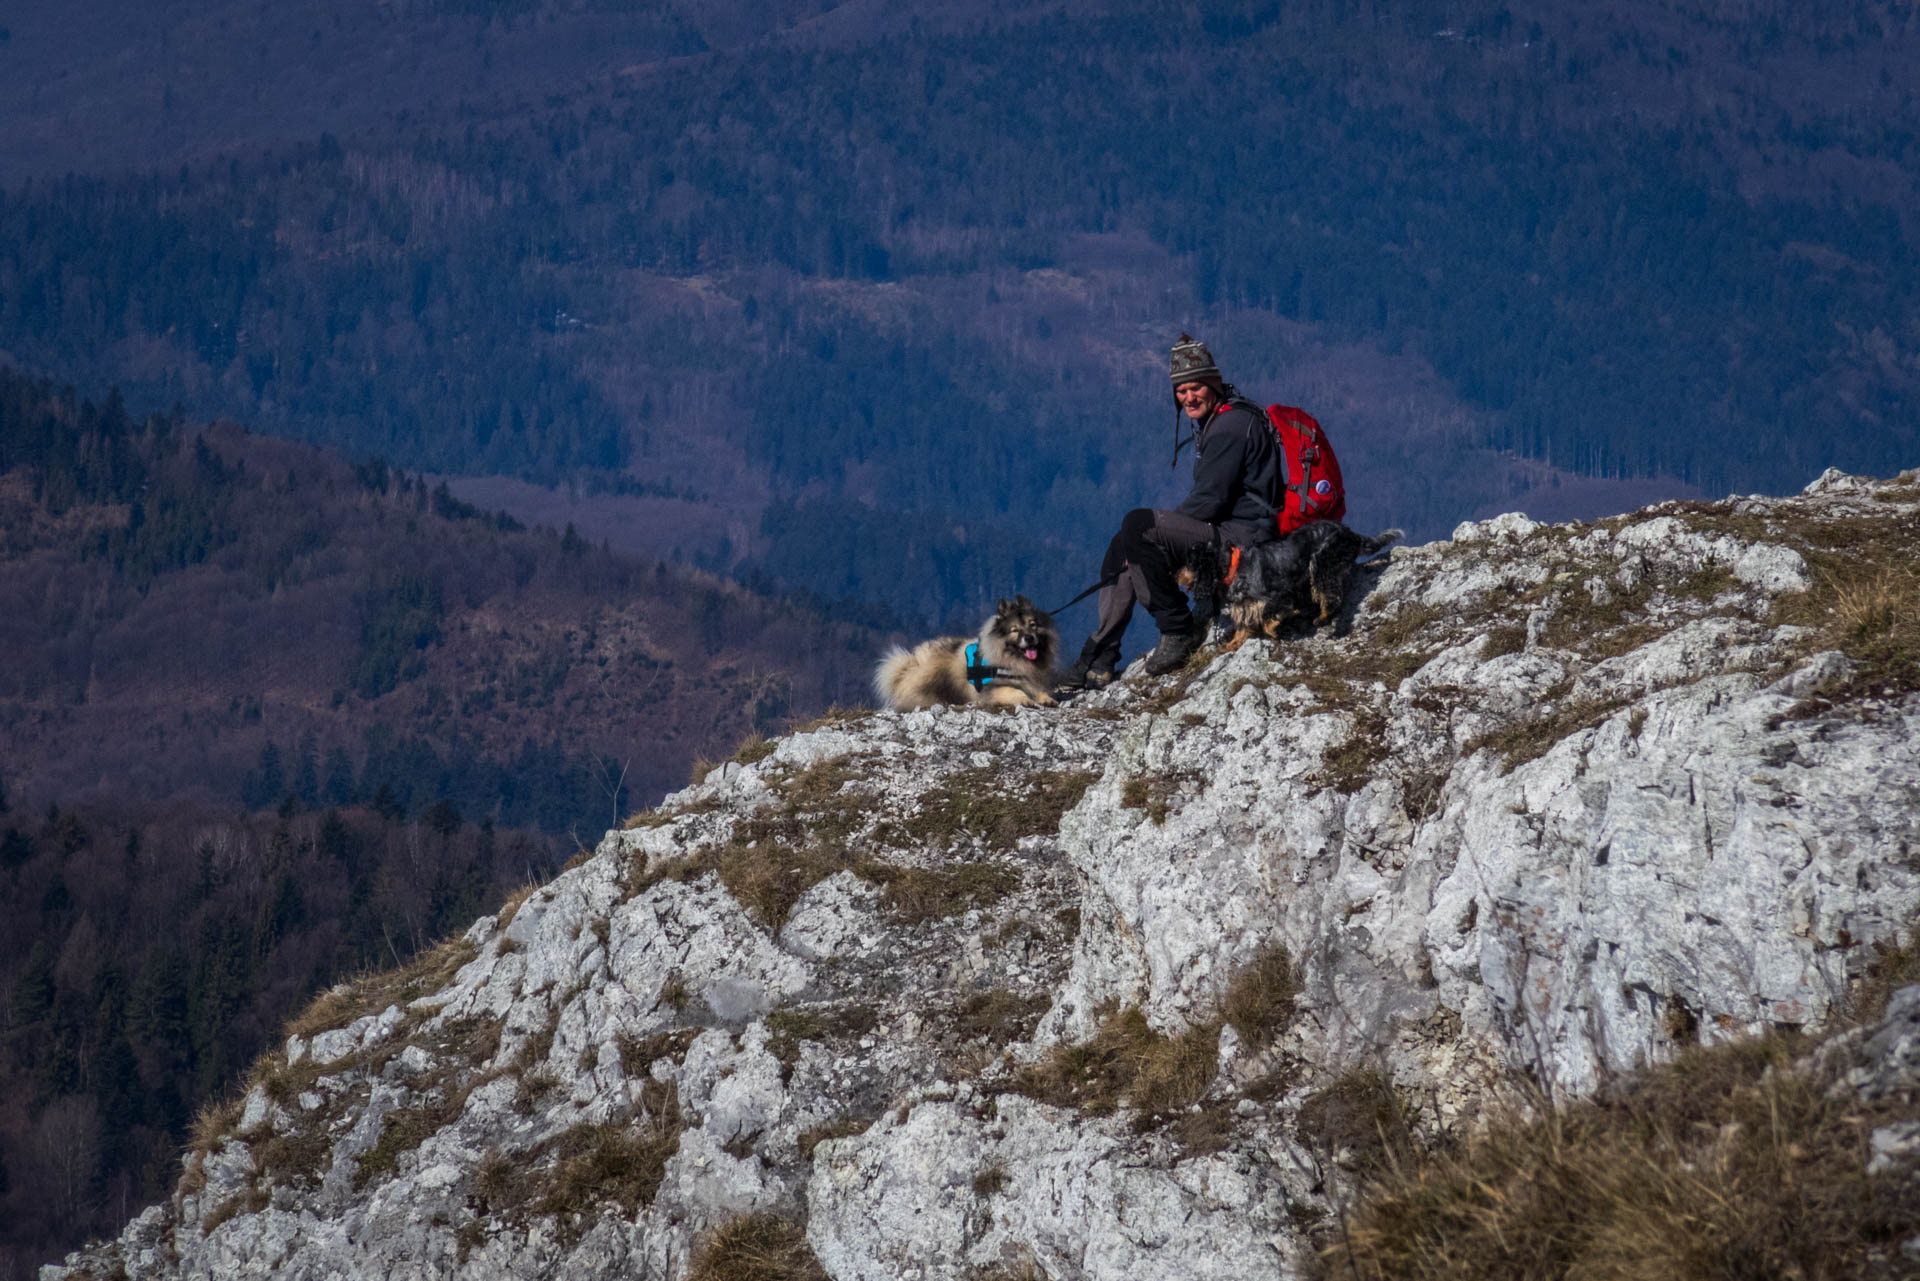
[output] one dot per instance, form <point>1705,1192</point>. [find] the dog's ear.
<point>1001,607</point>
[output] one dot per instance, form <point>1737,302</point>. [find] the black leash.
<point>1105,582</point>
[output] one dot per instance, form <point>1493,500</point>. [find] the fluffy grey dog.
<point>1011,664</point>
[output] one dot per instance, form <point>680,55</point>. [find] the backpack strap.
<point>1309,454</point>
<point>979,674</point>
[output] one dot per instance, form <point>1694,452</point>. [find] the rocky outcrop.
<point>1072,993</point>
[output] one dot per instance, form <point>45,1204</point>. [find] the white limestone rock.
<point>1661,816</point>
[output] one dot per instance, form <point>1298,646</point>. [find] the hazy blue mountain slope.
<point>813,268</point>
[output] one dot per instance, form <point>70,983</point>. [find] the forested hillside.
<point>268,718</point>
<point>201,609</point>
<point>909,284</point>
<point>153,951</point>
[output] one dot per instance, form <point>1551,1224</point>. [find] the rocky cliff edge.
<point>1090,992</point>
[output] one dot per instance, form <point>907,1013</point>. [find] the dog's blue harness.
<point>979,674</point>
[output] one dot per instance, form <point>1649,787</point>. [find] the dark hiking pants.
<point>1142,560</point>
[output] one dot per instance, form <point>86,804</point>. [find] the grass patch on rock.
<point>429,972</point>
<point>916,894</point>
<point>997,807</point>
<point>1126,1063</point>
<point>756,1247</point>
<point>1350,766</point>
<point>1358,1118</point>
<point>1153,793</point>
<point>638,1054</point>
<point>1259,1002</point>
<point>840,1127</point>
<point>570,1176</point>
<point>1508,638</point>
<point>782,850</point>
<point>999,1016</point>
<point>404,1130</point>
<point>662,817</point>
<point>1865,602</point>
<point>1413,620</point>
<point>251,1201</point>
<point>792,1025</point>
<point>1731,1161</point>
<point>1518,742</point>
<point>835,717</point>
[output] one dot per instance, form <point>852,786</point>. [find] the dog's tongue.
<point>1033,655</point>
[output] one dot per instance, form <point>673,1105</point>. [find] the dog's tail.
<point>889,678</point>
<point>1371,547</point>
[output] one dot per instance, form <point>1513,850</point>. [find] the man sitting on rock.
<point>1237,487</point>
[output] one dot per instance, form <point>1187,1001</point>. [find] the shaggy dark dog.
<point>1281,580</point>
<point>1013,658</point>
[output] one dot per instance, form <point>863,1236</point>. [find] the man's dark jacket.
<point>1239,477</point>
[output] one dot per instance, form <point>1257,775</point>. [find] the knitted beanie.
<point>1192,362</point>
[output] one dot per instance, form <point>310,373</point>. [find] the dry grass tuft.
<point>675,992</point>
<point>569,1175</point>
<point>1259,1001</point>
<point>779,853</point>
<point>997,806</point>
<point>1728,1162</point>
<point>1509,638</point>
<point>840,1127</point>
<point>791,1026</point>
<point>1154,794</point>
<point>406,1129</point>
<point>511,908</point>
<point>660,818</point>
<point>1413,619</point>
<point>1893,967</point>
<point>757,1247</point>
<point>639,1054</point>
<point>251,1201</point>
<point>1021,1267</point>
<point>1522,741</point>
<point>1865,602</point>
<point>608,1163</point>
<point>916,894</point>
<point>1126,1063</point>
<point>335,1007</point>
<point>768,876</point>
<point>990,1181</point>
<point>1874,617</point>
<point>215,1123</point>
<point>999,1016</point>
<point>755,749</point>
<point>1421,790</point>
<point>1358,1117</point>
<point>1351,766</point>
<point>296,1160</point>
<point>426,974</point>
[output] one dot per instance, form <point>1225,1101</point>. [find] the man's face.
<point>1197,400</point>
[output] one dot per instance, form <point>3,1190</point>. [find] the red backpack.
<point>1312,479</point>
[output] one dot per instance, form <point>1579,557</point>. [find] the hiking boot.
<point>1092,670</point>
<point>1175,648</point>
